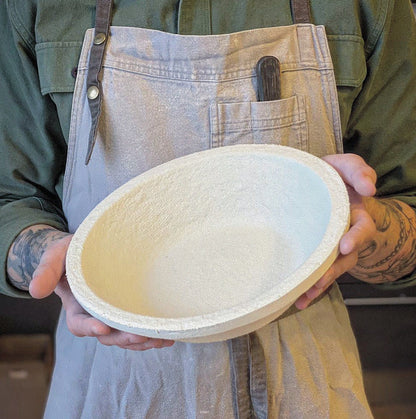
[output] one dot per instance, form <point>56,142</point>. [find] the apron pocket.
<point>276,122</point>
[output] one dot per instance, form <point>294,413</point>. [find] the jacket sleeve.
<point>382,126</point>
<point>32,146</point>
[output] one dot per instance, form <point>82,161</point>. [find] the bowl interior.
<point>207,236</point>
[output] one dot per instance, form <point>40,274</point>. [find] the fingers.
<point>133,342</point>
<point>361,231</point>
<point>354,172</point>
<point>360,180</point>
<point>82,324</point>
<point>49,276</point>
<point>50,269</point>
<point>79,322</point>
<point>343,264</point>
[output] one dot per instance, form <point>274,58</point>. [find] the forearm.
<point>26,251</point>
<point>392,253</point>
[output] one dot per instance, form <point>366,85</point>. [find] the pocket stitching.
<point>295,118</point>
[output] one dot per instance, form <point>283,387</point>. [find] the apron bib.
<point>163,96</point>
<point>145,97</point>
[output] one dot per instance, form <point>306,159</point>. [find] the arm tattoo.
<point>26,251</point>
<point>392,254</point>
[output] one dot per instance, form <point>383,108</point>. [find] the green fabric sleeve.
<point>32,146</point>
<point>382,125</point>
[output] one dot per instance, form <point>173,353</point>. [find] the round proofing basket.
<point>209,246</point>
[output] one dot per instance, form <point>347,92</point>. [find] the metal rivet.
<point>93,92</point>
<point>99,38</point>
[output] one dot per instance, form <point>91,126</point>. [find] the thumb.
<point>50,270</point>
<point>355,172</point>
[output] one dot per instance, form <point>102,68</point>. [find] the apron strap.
<point>258,377</point>
<point>301,11</point>
<point>248,377</point>
<point>249,371</point>
<point>94,92</point>
<point>240,377</point>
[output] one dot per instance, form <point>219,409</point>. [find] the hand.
<point>50,276</point>
<point>360,180</point>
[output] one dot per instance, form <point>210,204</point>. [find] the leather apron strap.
<point>94,91</point>
<point>301,11</point>
<point>248,377</point>
<point>249,372</point>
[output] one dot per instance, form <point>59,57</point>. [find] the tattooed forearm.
<point>26,251</point>
<point>392,253</point>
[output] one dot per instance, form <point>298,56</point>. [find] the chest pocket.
<point>350,68</point>
<point>276,122</point>
<point>57,63</point>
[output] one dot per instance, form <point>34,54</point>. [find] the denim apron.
<point>144,97</point>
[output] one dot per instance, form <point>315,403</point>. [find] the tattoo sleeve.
<point>392,252</point>
<point>26,251</point>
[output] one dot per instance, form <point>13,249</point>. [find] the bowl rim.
<point>320,259</point>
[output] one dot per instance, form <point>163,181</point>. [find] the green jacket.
<point>372,42</point>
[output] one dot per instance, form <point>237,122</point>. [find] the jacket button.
<point>93,92</point>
